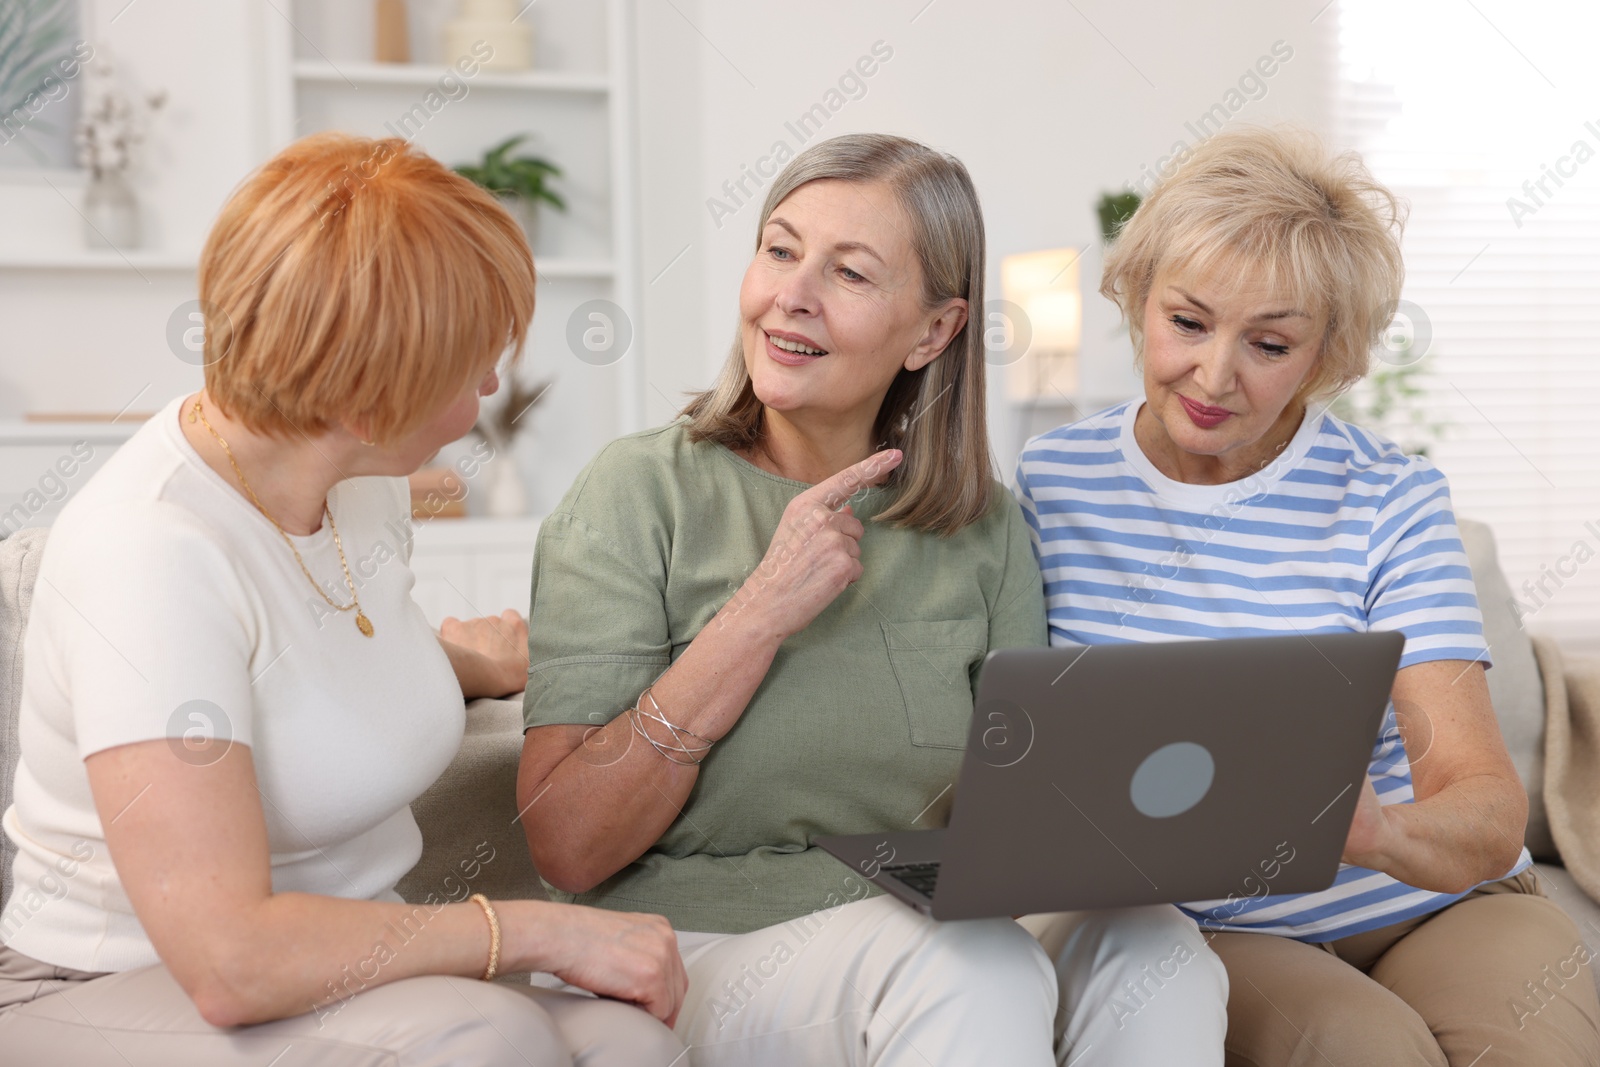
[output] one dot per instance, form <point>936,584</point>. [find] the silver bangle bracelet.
<point>678,732</point>
<point>692,753</point>
<point>668,752</point>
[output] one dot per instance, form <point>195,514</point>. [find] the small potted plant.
<point>1393,400</point>
<point>521,182</point>
<point>1115,209</point>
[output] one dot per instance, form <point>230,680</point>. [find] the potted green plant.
<point>521,182</point>
<point>1393,401</point>
<point>1107,369</point>
<point>1114,210</point>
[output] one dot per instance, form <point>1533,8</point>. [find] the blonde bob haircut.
<point>358,280</point>
<point>935,415</point>
<point>1273,206</point>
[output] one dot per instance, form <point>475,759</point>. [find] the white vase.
<point>489,21</point>
<point>526,212</point>
<point>110,212</point>
<point>507,495</point>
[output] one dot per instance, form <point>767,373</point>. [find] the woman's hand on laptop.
<point>489,654</point>
<point>1367,843</point>
<point>1466,823</point>
<point>816,552</point>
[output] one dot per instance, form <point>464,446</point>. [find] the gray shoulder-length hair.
<point>935,415</point>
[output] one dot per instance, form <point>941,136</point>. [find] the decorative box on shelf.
<point>437,493</point>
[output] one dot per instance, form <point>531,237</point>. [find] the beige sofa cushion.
<point>471,813</point>
<point>1514,682</point>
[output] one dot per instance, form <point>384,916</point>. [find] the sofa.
<point>472,841</point>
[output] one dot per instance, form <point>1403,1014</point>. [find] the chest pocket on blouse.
<point>932,662</point>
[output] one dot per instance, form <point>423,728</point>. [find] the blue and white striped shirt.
<point>1341,532</point>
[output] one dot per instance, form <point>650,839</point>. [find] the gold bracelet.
<point>494,935</point>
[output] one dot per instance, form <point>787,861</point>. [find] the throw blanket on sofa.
<point>1572,760</point>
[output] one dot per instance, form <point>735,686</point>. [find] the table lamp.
<point>1043,287</point>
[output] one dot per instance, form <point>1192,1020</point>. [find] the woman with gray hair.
<point>762,623</point>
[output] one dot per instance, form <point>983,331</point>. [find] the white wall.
<point>673,252</point>
<point>1048,108</point>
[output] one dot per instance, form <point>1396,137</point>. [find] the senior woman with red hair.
<point>226,726</point>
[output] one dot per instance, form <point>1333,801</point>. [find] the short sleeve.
<point>1018,618</point>
<point>149,627</point>
<point>1421,582</point>
<point>597,619</point>
<point>1030,510</point>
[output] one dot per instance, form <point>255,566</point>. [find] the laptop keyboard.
<point>921,877</point>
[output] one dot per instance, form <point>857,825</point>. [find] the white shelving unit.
<point>79,259</point>
<point>43,463</point>
<point>578,106</point>
<point>282,74</point>
<point>19,432</point>
<point>553,267</point>
<point>423,75</point>
<point>468,567</point>
<point>74,259</point>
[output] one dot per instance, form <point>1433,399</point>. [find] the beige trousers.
<point>52,1016</point>
<point>873,983</point>
<point>1501,978</point>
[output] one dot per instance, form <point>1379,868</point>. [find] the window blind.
<point>1488,122</point>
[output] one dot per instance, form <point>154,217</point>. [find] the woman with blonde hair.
<point>230,698</point>
<point>762,623</point>
<point>1228,502</point>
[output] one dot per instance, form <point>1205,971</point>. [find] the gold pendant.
<point>363,623</point>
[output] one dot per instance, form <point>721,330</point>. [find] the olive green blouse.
<point>861,720</point>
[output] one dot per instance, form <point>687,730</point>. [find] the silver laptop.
<point>1114,775</point>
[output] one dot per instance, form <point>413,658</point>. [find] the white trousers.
<point>873,983</point>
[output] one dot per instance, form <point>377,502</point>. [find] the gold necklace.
<point>363,623</point>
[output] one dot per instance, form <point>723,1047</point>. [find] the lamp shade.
<point>1042,288</point>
